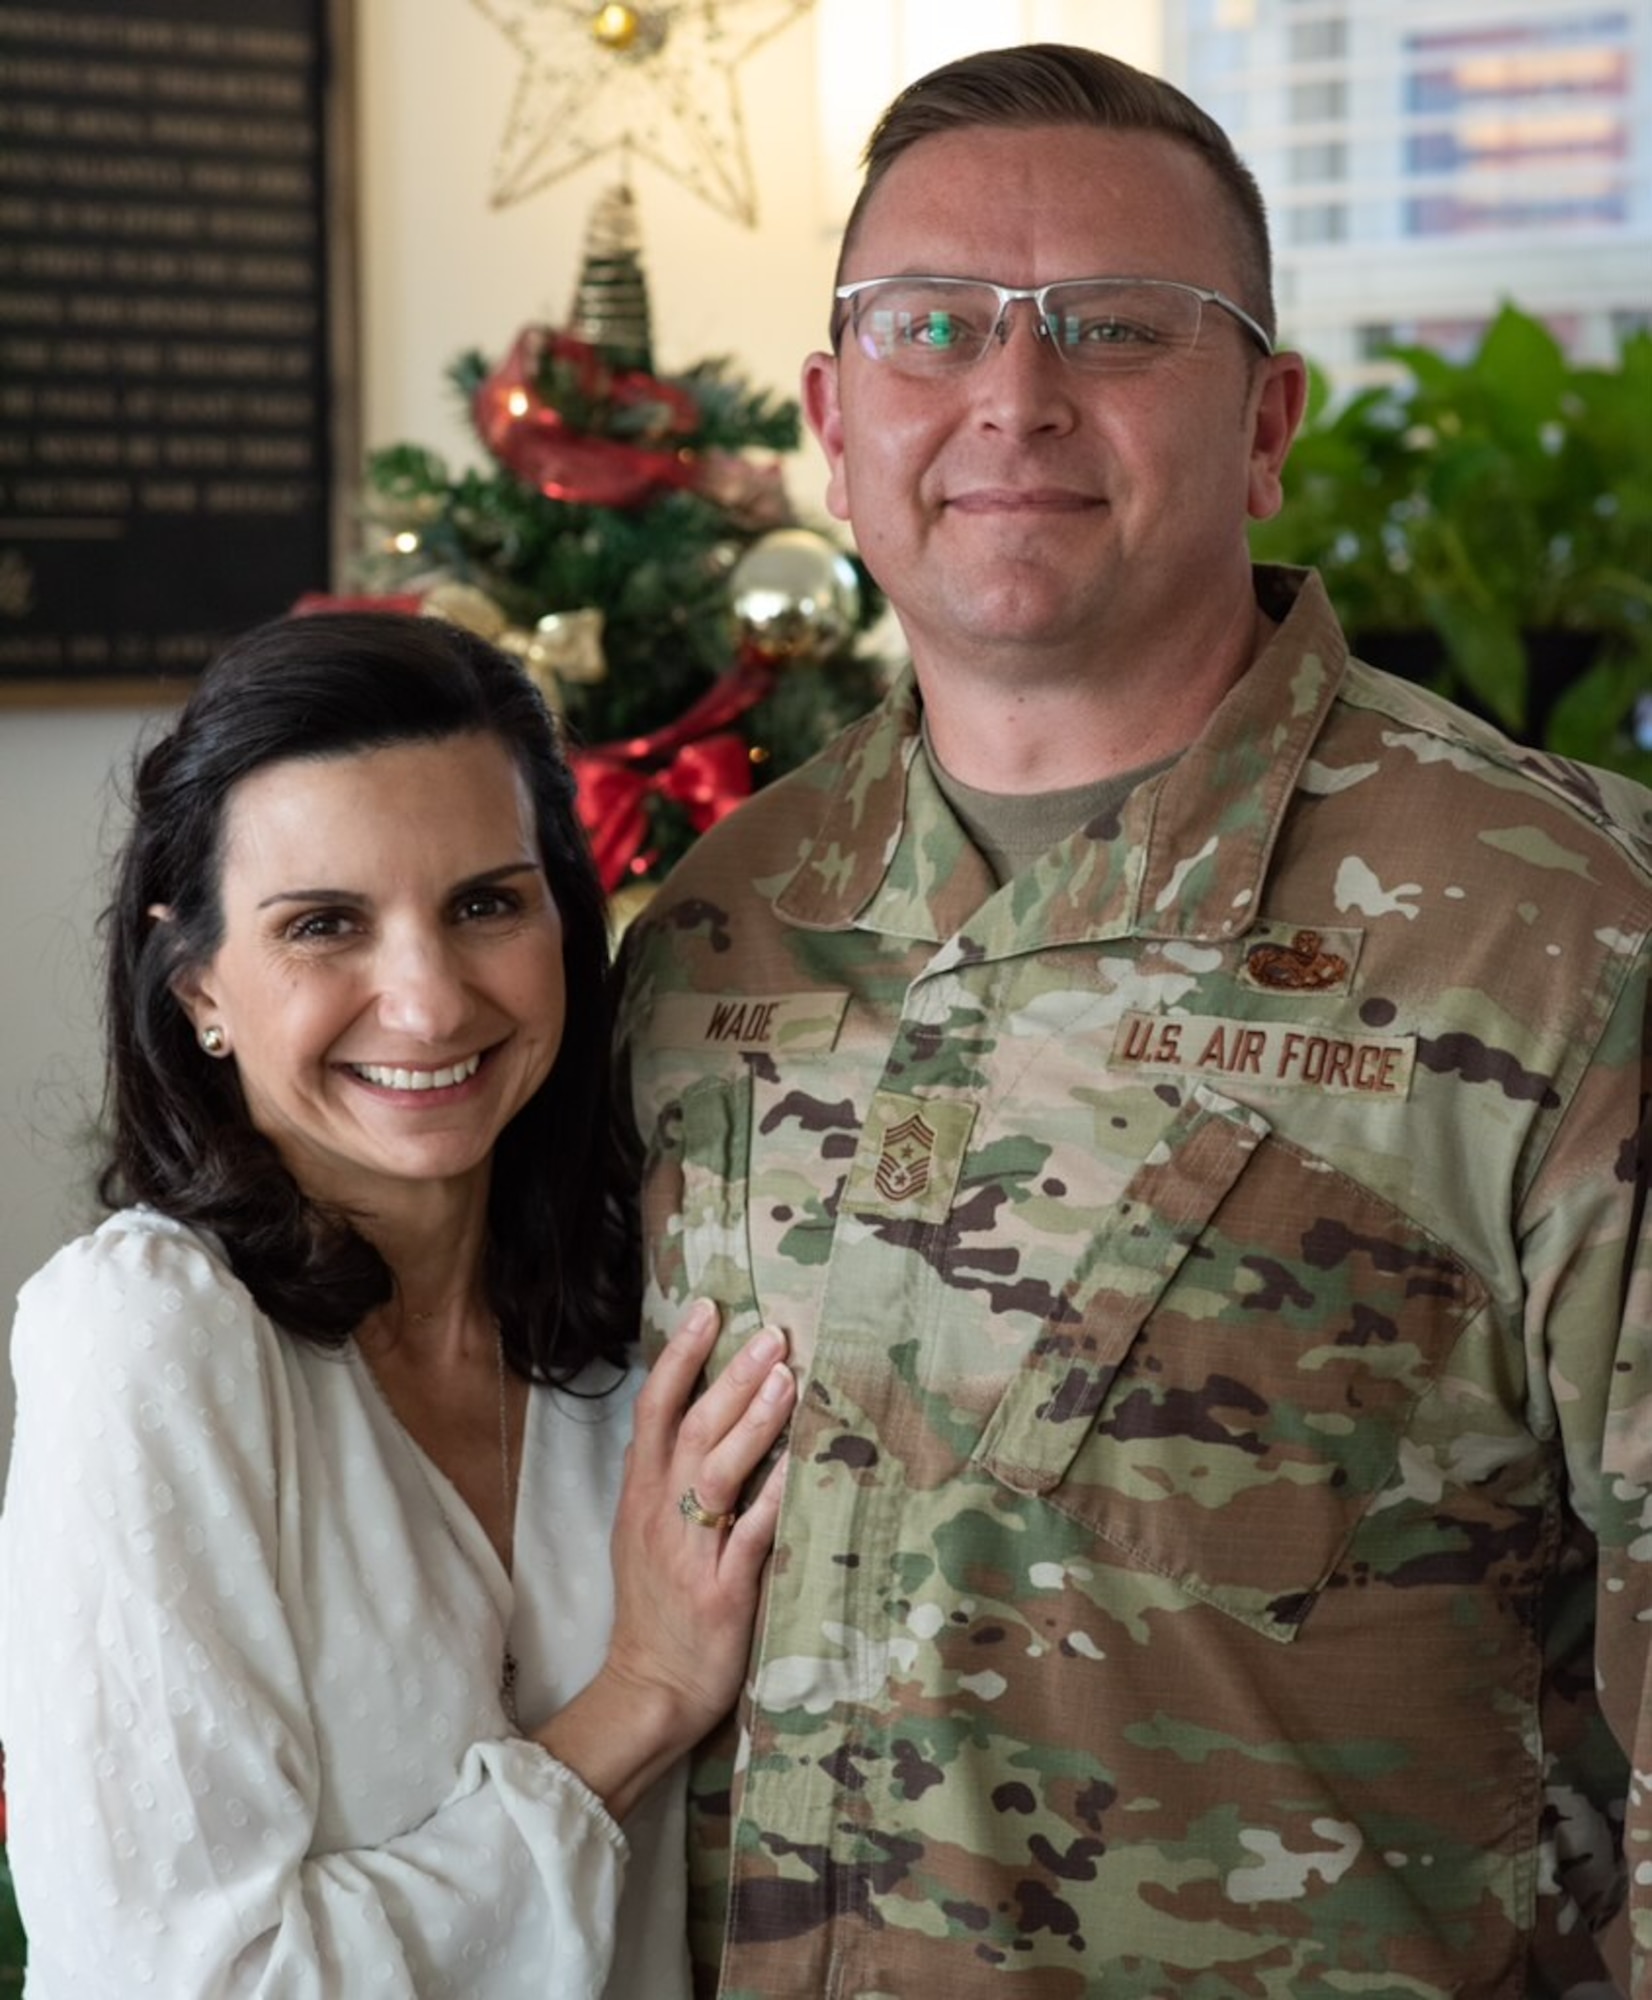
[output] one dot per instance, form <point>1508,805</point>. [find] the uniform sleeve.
<point>161,1761</point>
<point>1588,1260</point>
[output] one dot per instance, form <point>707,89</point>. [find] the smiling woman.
<point>390,1013</point>
<point>321,1435</point>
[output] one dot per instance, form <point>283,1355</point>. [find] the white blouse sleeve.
<point>161,1755</point>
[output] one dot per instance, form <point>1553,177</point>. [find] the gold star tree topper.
<point>655,81</point>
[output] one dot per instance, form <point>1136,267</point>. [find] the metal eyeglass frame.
<point>1035,295</point>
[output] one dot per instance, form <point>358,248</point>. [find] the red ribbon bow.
<point>697,761</point>
<point>535,442</point>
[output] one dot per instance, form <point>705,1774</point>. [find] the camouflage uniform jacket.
<point>1219,1268</point>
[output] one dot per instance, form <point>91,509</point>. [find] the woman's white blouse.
<point>250,1651</point>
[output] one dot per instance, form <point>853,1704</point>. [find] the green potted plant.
<point>1485,526</point>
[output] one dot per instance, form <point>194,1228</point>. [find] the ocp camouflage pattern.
<point>1216,1548</point>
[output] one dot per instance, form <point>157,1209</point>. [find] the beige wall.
<point>440,271</point>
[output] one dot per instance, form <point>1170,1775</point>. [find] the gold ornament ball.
<point>568,645</point>
<point>795,597</point>
<point>615,27</point>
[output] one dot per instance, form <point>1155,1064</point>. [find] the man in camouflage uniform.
<point>1184,1094</point>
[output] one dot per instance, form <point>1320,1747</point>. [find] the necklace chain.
<point>505,1488</point>
<point>507,1666</point>
<point>417,1456</point>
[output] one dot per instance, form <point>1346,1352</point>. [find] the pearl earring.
<point>213,1039</point>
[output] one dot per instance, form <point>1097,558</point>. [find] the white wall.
<point>56,821</point>
<point>441,272</point>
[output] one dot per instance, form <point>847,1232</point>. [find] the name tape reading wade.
<point>800,1023</point>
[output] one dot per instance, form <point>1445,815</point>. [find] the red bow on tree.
<point>698,761</point>
<point>550,413</point>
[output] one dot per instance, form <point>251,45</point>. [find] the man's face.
<point>1019,508</point>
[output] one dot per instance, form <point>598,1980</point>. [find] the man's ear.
<point>1280,398</point>
<point>824,416</point>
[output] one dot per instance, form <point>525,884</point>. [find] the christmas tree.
<point>632,541</point>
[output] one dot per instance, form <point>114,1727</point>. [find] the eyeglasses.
<point>1105,326</point>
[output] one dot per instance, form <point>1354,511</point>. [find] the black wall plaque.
<point>176,323</point>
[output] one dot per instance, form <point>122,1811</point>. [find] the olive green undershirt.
<point>1012,829</point>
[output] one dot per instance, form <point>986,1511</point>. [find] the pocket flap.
<point>1047,1411</point>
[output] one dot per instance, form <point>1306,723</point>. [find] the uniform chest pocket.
<point>694,1202</point>
<point>1221,1393</point>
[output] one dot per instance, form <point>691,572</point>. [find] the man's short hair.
<point>1050,83</point>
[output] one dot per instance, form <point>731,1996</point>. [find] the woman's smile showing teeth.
<point>416,1079</point>
<point>389,1020</point>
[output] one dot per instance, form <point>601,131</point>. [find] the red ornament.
<point>543,447</point>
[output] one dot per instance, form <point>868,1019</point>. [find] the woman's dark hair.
<point>558,1265</point>
<point>1049,83</point>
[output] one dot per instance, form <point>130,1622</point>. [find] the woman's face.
<point>390,980</point>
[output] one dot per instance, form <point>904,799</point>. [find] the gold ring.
<point>691,1510</point>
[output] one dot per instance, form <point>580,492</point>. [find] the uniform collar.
<point>1187,858</point>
